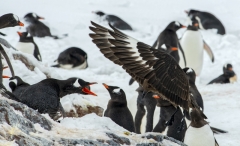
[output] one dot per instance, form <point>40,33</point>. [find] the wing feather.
<point>154,69</point>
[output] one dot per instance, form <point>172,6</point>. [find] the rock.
<point>32,115</point>
<point>79,111</point>
<point>17,124</point>
<point>7,115</point>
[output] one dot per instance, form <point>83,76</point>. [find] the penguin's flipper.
<point>57,65</point>
<point>208,50</point>
<point>217,131</point>
<point>180,47</point>
<point>219,79</point>
<point>2,34</point>
<point>216,143</point>
<point>2,51</point>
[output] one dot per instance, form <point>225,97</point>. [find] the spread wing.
<point>154,69</point>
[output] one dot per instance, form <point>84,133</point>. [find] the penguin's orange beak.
<point>20,23</point>
<point>5,76</point>
<point>186,11</point>
<point>196,24</point>
<point>5,67</point>
<point>87,91</point>
<point>19,33</point>
<point>183,26</point>
<point>105,85</point>
<point>42,18</point>
<point>156,96</point>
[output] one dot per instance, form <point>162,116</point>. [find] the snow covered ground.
<point>148,18</point>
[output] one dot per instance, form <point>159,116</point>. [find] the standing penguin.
<point>166,111</point>
<point>114,20</point>
<point>36,28</point>
<point>199,133</point>
<point>228,76</point>
<point>71,58</point>
<point>45,95</point>
<point>26,44</point>
<point>193,45</point>
<point>7,20</point>
<point>207,20</point>
<point>117,109</point>
<point>168,40</point>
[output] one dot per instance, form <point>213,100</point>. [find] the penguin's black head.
<point>16,81</point>
<point>191,75</point>
<point>197,115</point>
<point>175,25</point>
<point>10,20</point>
<point>25,37</point>
<point>228,67</point>
<point>191,12</point>
<point>99,13</point>
<point>195,23</point>
<point>31,17</point>
<point>76,85</point>
<point>115,92</point>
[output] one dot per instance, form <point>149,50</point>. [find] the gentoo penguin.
<point>207,20</point>
<point>199,133</point>
<point>36,28</point>
<point>166,110</point>
<point>71,58</point>
<point>17,85</point>
<point>155,70</point>
<point>228,76</point>
<point>144,101</point>
<point>26,44</point>
<point>168,40</point>
<point>9,20</point>
<point>193,45</point>
<point>114,20</point>
<point>45,95</point>
<point>117,109</point>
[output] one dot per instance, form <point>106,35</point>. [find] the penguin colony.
<point>166,76</point>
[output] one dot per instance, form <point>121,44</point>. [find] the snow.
<point>221,102</point>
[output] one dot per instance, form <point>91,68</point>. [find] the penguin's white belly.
<point>25,47</point>
<point>199,136</point>
<point>192,44</point>
<point>70,66</point>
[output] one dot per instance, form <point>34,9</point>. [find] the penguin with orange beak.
<point>117,109</point>
<point>45,95</point>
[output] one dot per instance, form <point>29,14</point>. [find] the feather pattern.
<point>153,69</point>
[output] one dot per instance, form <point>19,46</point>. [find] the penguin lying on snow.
<point>26,44</point>
<point>72,58</point>
<point>207,20</point>
<point>45,95</point>
<point>114,21</point>
<point>199,133</point>
<point>36,28</point>
<point>228,76</point>
<point>168,40</point>
<point>193,45</point>
<point>117,109</point>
